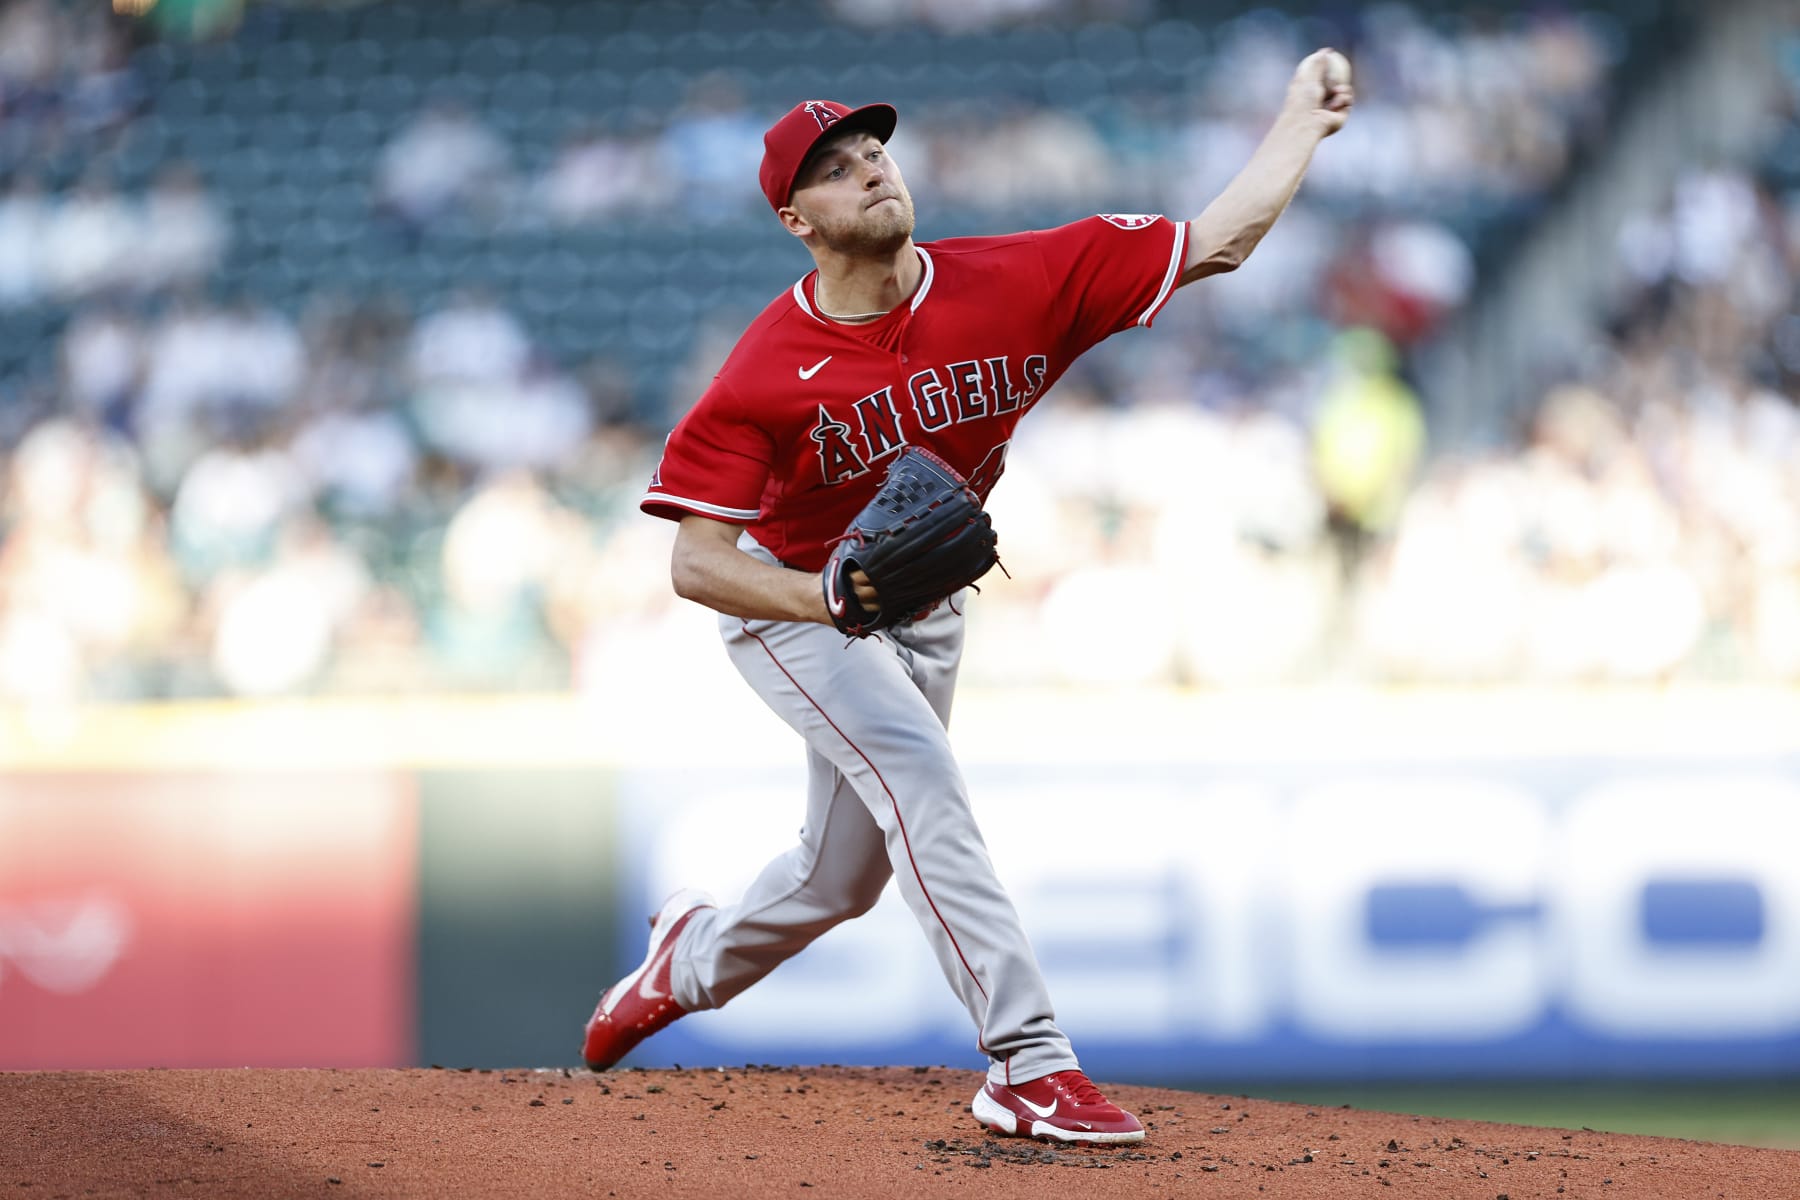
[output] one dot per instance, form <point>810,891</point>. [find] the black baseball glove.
<point>922,538</point>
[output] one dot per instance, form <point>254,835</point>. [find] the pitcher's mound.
<point>757,1132</point>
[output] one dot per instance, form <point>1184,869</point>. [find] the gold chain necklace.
<point>869,316</point>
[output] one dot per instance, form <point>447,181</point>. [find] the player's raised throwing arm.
<point>1318,100</point>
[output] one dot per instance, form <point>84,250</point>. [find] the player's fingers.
<point>1311,85</point>
<point>865,591</point>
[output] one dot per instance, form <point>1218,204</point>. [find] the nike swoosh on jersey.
<point>1046,1113</point>
<point>809,372</point>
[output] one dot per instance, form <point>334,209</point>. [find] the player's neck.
<point>858,289</point>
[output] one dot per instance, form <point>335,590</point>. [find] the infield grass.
<point>1764,1113</point>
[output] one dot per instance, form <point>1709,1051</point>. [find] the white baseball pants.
<point>885,799</point>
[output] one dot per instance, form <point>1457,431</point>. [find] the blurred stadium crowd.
<point>336,345</point>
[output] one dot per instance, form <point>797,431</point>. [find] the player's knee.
<point>863,897</point>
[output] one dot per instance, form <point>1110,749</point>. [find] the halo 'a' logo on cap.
<point>821,112</point>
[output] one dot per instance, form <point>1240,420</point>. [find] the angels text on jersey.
<point>936,398</point>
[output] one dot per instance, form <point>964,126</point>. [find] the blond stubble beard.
<point>879,231</point>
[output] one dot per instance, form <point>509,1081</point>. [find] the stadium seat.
<point>590,21</point>
<point>389,23</point>
<point>354,61</point>
<point>661,21</point>
<point>424,60</point>
<point>558,55</point>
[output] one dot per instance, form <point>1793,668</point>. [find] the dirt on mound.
<point>762,1131</point>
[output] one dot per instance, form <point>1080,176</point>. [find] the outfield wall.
<point>1254,885</point>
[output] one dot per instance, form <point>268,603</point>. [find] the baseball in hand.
<point>1337,69</point>
<point>1327,74</point>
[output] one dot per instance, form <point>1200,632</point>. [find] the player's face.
<point>852,196</point>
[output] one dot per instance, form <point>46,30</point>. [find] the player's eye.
<point>836,173</point>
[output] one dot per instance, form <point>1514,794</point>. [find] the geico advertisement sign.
<point>1405,910</point>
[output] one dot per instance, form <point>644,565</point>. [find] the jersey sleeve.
<point>715,463</point>
<point>1111,272</point>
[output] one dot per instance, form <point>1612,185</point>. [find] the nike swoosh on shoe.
<point>647,989</point>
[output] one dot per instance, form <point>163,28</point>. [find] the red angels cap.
<point>789,141</point>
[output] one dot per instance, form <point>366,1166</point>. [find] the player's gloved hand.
<point>923,538</point>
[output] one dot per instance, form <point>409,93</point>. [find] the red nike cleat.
<point>640,1004</point>
<point>1064,1107</point>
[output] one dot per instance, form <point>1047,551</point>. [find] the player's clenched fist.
<point>1321,89</point>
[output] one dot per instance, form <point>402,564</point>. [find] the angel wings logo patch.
<point>1131,220</point>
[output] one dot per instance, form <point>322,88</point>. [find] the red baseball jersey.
<point>796,431</point>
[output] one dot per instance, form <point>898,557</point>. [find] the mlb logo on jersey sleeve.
<point>1131,220</point>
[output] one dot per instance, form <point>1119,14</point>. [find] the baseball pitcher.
<point>829,487</point>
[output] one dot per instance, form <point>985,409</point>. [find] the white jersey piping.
<point>925,283</point>
<point>700,506</point>
<point>918,296</point>
<point>1176,258</point>
<point>800,298</point>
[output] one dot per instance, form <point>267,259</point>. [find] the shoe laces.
<point>1081,1089</point>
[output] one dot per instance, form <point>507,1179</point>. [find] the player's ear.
<point>794,223</point>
